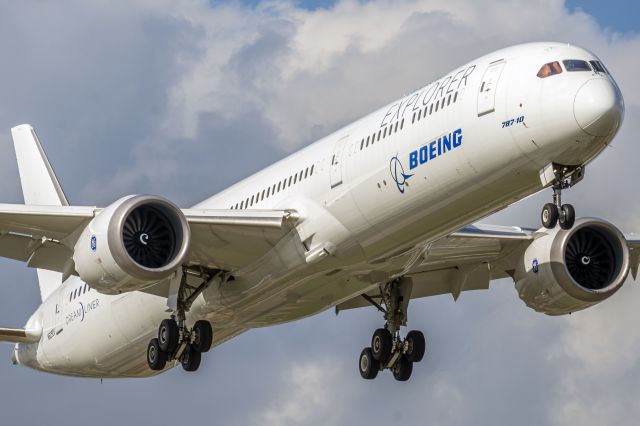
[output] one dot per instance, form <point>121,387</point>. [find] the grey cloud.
<point>102,85</point>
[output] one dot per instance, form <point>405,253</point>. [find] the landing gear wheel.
<point>549,216</point>
<point>156,357</point>
<point>203,336</point>
<point>381,345</point>
<point>191,359</point>
<point>368,365</point>
<point>416,346</point>
<point>402,370</point>
<point>168,335</point>
<point>567,216</point>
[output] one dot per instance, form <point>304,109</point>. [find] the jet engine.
<point>564,271</point>
<point>135,242</point>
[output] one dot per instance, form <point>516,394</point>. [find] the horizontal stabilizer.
<point>19,335</point>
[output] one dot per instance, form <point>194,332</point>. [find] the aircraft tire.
<point>417,346</point>
<point>368,365</point>
<point>191,359</point>
<point>381,345</point>
<point>549,216</point>
<point>156,357</point>
<point>402,370</point>
<point>168,335</point>
<point>568,216</point>
<point>204,336</point>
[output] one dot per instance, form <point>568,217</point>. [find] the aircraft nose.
<point>598,107</point>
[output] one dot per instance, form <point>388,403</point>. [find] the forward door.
<point>488,86</point>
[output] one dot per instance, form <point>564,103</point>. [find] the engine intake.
<point>135,242</point>
<point>568,270</point>
<point>591,258</point>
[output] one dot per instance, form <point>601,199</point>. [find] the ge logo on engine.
<point>94,243</point>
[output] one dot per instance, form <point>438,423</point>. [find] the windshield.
<point>576,65</point>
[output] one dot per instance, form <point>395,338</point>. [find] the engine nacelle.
<point>135,242</point>
<point>565,271</point>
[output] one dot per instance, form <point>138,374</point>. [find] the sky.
<point>182,98</point>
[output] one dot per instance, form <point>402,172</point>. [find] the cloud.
<point>183,98</point>
<point>306,397</point>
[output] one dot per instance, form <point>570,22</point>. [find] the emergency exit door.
<point>488,87</point>
<point>336,161</point>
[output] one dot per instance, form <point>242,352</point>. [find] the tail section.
<point>40,186</point>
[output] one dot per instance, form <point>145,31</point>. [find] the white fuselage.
<point>462,147</point>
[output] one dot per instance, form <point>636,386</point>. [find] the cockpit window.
<point>598,67</point>
<point>576,65</point>
<point>552,68</point>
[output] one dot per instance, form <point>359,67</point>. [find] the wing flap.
<point>231,239</point>
<point>15,247</point>
<point>55,222</point>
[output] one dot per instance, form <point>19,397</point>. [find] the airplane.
<point>382,211</point>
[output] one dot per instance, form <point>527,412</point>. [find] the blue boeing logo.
<point>398,174</point>
<point>425,154</point>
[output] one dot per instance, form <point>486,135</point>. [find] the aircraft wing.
<point>469,259</point>
<point>44,236</point>
<point>465,260</point>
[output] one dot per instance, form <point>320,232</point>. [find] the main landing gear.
<point>560,177</point>
<point>388,350</point>
<point>175,340</point>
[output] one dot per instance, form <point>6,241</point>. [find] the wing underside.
<point>43,236</point>
<point>463,261</point>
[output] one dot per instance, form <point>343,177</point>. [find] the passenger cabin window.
<point>576,65</point>
<point>547,70</point>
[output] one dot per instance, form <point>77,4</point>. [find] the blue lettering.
<point>446,144</point>
<point>413,160</point>
<point>457,138</point>
<point>435,148</point>
<point>424,157</point>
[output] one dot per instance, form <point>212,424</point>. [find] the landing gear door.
<point>488,86</point>
<point>336,161</point>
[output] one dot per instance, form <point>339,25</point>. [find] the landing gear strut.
<point>559,177</point>
<point>175,340</point>
<point>388,349</point>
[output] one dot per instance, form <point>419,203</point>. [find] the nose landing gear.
<point>388,350</point>
<point>175,340</point>
<point>559,177</point>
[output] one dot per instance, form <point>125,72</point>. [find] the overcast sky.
<point>183,98</point>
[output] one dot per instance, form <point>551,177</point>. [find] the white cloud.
<point>307,396</point>
<point>174,96</point>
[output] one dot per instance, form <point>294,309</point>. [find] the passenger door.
<point>336,161</point>
<point>488,86</point>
